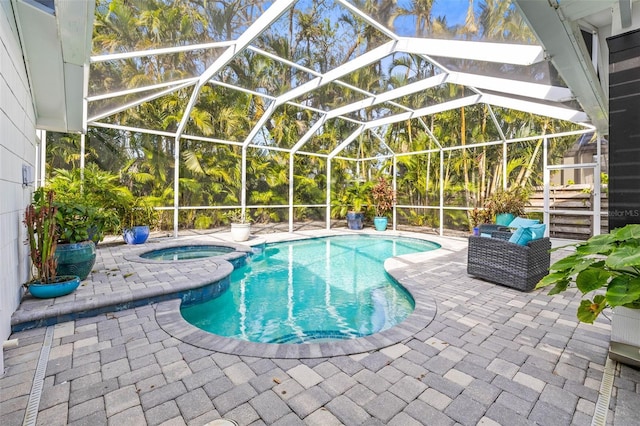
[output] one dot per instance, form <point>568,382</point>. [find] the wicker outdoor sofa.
<point>497,260</point>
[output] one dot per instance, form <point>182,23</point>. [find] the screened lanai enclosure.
<point>291,109</point>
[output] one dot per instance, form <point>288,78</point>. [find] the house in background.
<point>582,152</point>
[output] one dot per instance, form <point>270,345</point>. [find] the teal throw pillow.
<point>519,222</point>
<point>538,230</point>
<point>485,235</point>
<point>521,236</point>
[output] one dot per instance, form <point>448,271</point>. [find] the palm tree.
<point>421,11</point>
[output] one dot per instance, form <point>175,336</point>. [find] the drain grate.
<point>606,387</point>
<point>31,415</point>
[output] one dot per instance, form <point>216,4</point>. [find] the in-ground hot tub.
<point>186,252</point>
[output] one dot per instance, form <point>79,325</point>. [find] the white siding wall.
<point>17,147</point>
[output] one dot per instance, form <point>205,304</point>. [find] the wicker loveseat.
<point>497,260</point>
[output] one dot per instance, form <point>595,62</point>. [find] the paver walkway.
<point>490,356</point>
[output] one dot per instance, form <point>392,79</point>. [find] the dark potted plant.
<point>95,196</point>
<point>606,270</point>
<point>383,199</point>
<point>138,218</point>
<point>240,225</point>
<point>352,204</point>
<point>85,213</point>
<point>507,204</point>
<point>42,236</point>
<point>78,224</point>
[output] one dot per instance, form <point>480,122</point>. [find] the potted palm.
<point>606,270</point>
<point>353,202</point>
<point>240,225</point>
<point>42,236</point>
<point>383,199</point>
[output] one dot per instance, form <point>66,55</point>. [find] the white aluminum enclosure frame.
<point>533,98</point>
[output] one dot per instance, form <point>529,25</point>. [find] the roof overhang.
<point>558,25</point>
<point>56,43</point>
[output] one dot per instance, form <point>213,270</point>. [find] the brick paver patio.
<point>490,355</point>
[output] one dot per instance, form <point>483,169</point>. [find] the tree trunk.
<point>465,165</point>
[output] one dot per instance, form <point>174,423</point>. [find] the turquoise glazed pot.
<point>63,285</point>
<point>136,235</point>
<point>504,219</point>
<point>380,223</point>
<point>76,259</point>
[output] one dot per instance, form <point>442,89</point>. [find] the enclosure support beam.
<point>546,182</point>
<point>502,53</point>
<point>597,188</point>
<point>41,158</point>
<point>504,165</point>
<point>243,186</point>
<point>291,192</point>
<point>328,208</point>
<point>176,185</point>
<point>137,102</point>
<point>395,189</point>
<point>82,155</point>
<point>441,193</point>
<point>560,113</point>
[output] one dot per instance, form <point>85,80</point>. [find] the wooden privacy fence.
<point>570,198</point>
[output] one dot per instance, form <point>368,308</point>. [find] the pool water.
<point>312,290</point>
<point>186,252</point>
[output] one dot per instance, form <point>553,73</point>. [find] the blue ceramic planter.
<point>355,220</point>
<point>380,223</point>
<point>136,235</point>
<point>76,259</point>
<point>63,286</point>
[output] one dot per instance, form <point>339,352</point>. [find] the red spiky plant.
<point>42,236</point>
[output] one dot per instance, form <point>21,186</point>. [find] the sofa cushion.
<point>519,222</point>
<point>537,230</point>
<point>521,236</point>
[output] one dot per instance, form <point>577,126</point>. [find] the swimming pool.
<point>186,252</point>
<point>316,290</point>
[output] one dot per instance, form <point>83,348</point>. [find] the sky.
<point>454,10</point>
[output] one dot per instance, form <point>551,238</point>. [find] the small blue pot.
<point>136,235</point>
<point>62,286</point>
<point>380,223</point>
<point>355,220</point>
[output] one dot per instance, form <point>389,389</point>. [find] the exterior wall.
<point>624,129</point>
<point>17,148</point>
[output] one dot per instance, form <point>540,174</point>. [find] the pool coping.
<point>171,320</point>
<point>179,286</point>
<point>182,285</point>
<point>240,250</point>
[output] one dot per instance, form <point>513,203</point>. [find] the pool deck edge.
<point>122,280</point>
